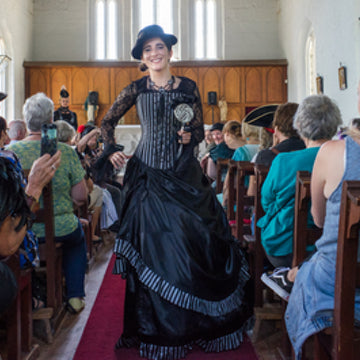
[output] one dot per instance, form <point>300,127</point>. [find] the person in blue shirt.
<point>316,121</point>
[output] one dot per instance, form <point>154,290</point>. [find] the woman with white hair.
<point>68,187</point>
<point>316,121</point>
<point>312,285</point>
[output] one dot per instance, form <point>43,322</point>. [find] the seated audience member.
<point>242,138</point>
<point>4,138</point>
<point>207,144</point>
<point>17,131</point>
<point>66,134</point>
<point>285,137</point>
<point>221,150</point>
<point>68,186</point>
<point>89,151</point>
<point>316,121</point>
<point>15,215</point>
<point>311,302</point>
<point>210,143</point>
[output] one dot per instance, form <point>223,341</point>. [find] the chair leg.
<point>13,340</point>
<point>26,314</point>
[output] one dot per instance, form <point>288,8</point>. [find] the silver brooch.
<point>184,113</point>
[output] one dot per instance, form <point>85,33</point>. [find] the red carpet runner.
<point>104,327</point>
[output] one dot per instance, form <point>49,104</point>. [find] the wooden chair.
<point>257,254</point>
<point>237,197</point>
<point>303,235</point>
<point>271,311</point>
<point>344,341</point>
<point>19,329</point>
<point>51,255</point>
<point>221,167</point>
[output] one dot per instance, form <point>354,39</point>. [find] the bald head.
<point>17,130</point>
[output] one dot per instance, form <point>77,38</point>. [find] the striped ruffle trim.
<point>160,352</point>
<point>171,293</point>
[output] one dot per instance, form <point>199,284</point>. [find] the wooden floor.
<point>69,334</point>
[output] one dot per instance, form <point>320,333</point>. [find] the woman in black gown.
<point>186,276</point>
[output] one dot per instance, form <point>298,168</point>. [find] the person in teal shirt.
<point>316,121</point>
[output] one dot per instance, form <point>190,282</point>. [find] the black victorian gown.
<point>186,276</point>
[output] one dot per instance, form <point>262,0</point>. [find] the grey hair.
<point>65,131</point>
<point>14,127</point>
<point>37,110</point>
<point>317,117</point>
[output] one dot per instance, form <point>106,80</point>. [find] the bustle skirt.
<point>187,278</point>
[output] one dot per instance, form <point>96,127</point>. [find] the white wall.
<point>336,26</point>
<point>251,30</point>
<point>16,30</point>
<point>60,30</point>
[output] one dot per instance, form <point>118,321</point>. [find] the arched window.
<point>156,12</point>
<point>106,29</point>
<point>115,24</point>
<point>311,64</point>
<point>205,29</point>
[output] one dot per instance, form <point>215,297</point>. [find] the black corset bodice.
<point>158,145</point>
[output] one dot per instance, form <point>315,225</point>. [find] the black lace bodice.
<point>158,144</point>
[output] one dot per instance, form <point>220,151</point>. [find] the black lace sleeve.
<point>125,100</point>
<point>197,123</point>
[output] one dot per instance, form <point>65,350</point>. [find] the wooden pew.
<point>344,343</point>
<point>244,169</point>
<point>303,235</point>
<point>257,252</point>
<point>19,330</point>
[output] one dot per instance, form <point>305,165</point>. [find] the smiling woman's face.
<point>155,54</point>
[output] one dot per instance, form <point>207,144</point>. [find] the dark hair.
<point>12,194</point>
<point>143,67</point>
<point>87,129</point>
<point>284,117</point>
<point>3,124</point>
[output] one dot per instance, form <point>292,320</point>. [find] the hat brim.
<point>168,39</point>
<point>262,116</point>
<point>2,96</point>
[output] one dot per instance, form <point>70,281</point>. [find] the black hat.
<point>217,126</point>
<point>64,93</point>
<point>261,116</point>
<point>150,32</point>
<point>2,96</point>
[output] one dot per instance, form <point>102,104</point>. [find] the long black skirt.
<point>187,278</point>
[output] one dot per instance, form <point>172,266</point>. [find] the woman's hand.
<point>42,171</point>
<point>118,159</point>
<point>185,137</point>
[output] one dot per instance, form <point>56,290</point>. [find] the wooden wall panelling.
<point>210,81</point>
<point>244,84</point>
<point>38,81</point>
<point>207,114</point>
<point>234,112</point>
<point>59,77</point>
<point>275,84</point>
<point>232,82</point>
<point>193,74</point>
<point>253,85</point>
<point>79,90</point>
